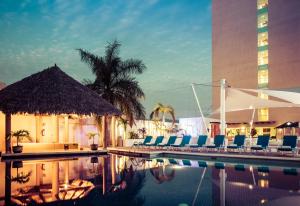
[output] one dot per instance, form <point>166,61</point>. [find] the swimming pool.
<point>122,180</point>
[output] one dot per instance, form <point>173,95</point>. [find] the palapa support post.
<point>7,133</point>
<point>113,131</point>
<point>104,132</point>
<point>55,180</point>
<point>66,129</point>
<point>7,183</point>
<point>38,127</point>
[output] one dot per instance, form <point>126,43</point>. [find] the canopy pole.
<point>251,125</point>
<point>199,107</point>
<point>222,107</point>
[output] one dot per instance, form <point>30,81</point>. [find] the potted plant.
<point>91,135</point>
<point>20,135</point>
<point>22,177</point>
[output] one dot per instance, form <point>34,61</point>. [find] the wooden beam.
<point>55,180</point>
<point>104,132</point>
<point>7,133</point>
<point>66,130</point>
<point>7,183</point>
<point>38,127</point>
<point>112,131</point>
<point>55,127</point>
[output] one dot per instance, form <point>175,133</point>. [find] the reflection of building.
<point>255,44</point>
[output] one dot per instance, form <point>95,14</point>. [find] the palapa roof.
<point>52,91</point>
<point>2,85</point>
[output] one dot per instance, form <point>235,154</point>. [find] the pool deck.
<point>151,153</point>
<point>51,154</point>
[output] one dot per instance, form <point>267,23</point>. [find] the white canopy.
<point>292,97</point>
<point>237,100</point>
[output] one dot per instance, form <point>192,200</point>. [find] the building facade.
<point>255,44</point>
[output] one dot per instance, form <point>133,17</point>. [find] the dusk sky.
<point>172,38</point>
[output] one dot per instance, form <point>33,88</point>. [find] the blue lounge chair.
<point>186,163</point>
<point>158,140</point>
<point>218,142</point>
<point>146,140</point>
<point>219,165</point>
<point>202,163</point>
<point>263,169</point>
<point>239,167</point>
<point>289,143</point>
<point>185,140</point>
<point>173,161</point>
<point>201,141</point>
<point>262,142</point>
<point>290,171</point>
<point>238,143</point>
<point>171,140</point>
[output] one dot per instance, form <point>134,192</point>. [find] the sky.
<point>171,37</point>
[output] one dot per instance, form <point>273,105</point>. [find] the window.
<point>262,4</point>
<point>263,78</point>
<point>262,39</point>
<point>263,57</point>
<point>263,114</point>
<point>262,20</point>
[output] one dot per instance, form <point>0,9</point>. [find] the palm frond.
<point>95,63</point>
<point>134,66</point>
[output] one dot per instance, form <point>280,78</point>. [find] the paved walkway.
<point>51,154</point>
<point>132,151</point>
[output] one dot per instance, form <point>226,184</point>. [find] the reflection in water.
<point>162,174</point>
<point>118,180</point>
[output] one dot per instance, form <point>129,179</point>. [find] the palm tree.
<point>115,81</point>
<point>162,110</point>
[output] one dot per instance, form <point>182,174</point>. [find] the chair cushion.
<point>285,148</point>
<point>232,146</point>
<point>258,147</point>
<point>210,146</point>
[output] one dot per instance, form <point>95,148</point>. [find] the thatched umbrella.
<point>51,91</point>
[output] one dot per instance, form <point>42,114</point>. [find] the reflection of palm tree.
<point>161,175</point>
<point>126,191</point>
<point>162,110</point>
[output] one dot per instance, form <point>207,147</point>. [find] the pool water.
<point>120,180</point>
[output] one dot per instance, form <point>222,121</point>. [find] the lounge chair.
<point>219,165</point>
<point>218,142</point>
<point>289,144</point>
<point>157,141</point>
<point>171,140</point>
<point>186,163</point>
<point>262,142</point>
<point>173,161</point>
<point>185,140</point>
<point>201,141</point>
<point>290,171</point>
<point>146,140</point>
<point>239,167</point>
<point>238,143</point>
<point>263,169</point>
<point>202,164</point>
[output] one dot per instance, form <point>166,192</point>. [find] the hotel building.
<point>255,44</point>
